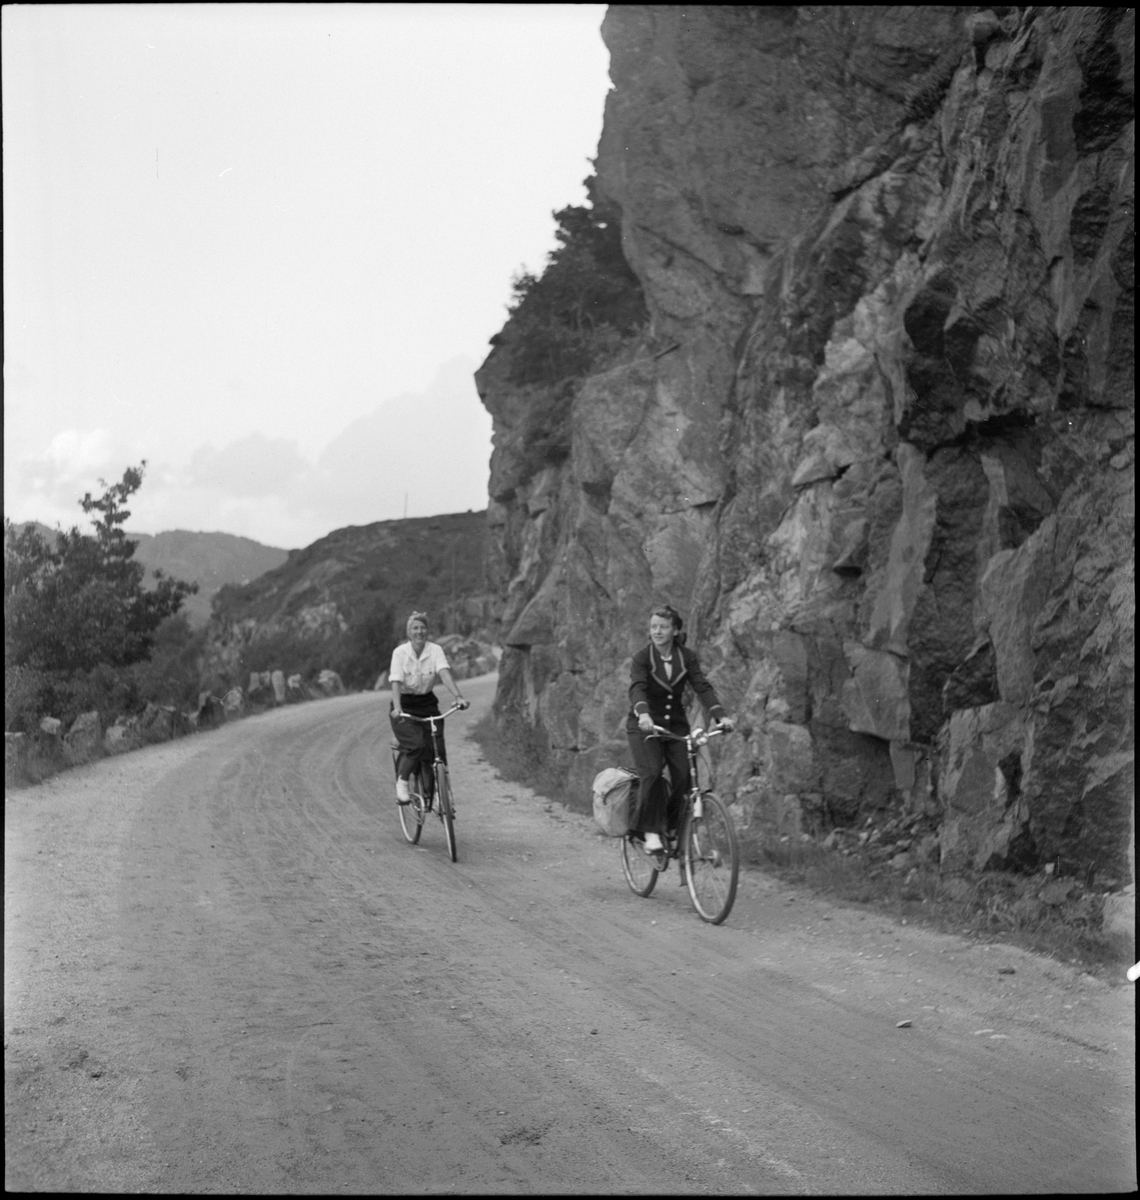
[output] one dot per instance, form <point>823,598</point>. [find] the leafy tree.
<point>586,298</point>
<point>171,676</point>
<point>81,603</point>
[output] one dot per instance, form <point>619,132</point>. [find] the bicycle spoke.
<point>412,818</point>
<point>639,869</point>
<point>446,809</point>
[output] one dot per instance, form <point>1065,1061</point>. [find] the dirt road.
<point>226,971</point>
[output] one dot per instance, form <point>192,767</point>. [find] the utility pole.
<point>405,506</point>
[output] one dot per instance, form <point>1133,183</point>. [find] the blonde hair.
<point>416,616</point>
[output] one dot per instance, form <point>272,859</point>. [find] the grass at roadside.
<point>996,906</point>
<point>519,753</point>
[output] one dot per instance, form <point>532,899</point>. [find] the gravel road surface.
<point>226,971</point>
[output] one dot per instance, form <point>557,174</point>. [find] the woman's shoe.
<point>653,844</point>
<point>403,795</point>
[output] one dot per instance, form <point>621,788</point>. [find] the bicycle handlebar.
<point>429,720</point>
<point>698,736</point>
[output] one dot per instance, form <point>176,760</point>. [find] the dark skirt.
<point>414,738</point>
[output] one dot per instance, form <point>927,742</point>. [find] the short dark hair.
<point>671,614</point>
<point>667,610</point>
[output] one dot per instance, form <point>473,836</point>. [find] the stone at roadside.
<point>210,712</point>
<point>51,726</point>
<point>254,682</point>
<point>958,890</point>
<point>159,722</point>
<point>1119,918</point>
<point>120,738</point>
<point>329,682</point>
<point>15,755</point>
<point>902,1025</point>
<point>233,702</point>
<point>84,739</point>
<point>831,841</point>
<point>381,683</point>
<point>278,681</point>
<point>1056,892</point>
<point>904,861</point>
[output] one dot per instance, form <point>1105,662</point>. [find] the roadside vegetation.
<point>518,751</point>
<point>991,906</point>
<point>81,632</point>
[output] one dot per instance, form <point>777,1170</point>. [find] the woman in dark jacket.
<point>659,676</point>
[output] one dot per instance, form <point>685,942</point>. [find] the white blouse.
<point>417,675</point>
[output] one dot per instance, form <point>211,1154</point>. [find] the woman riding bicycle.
<point>417,665</point>
<point>659,675</point>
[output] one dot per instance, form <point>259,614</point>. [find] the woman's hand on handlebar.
<point>645,722</point>
<point>398,714</point>
<point>460,703</point>
<point>725,725</point>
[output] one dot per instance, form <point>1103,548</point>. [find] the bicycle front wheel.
<point>711,857</point>
<point>446,809</point>
<point>412,814</point>
<point>637,866</point>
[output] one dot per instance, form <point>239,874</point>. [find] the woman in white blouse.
<point>417,666</point>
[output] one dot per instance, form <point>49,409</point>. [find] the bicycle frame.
<point>693,740</point>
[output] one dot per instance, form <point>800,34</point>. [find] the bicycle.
<point>429,782</point>
<point>705,845</point>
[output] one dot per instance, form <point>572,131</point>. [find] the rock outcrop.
<point>876,438</point>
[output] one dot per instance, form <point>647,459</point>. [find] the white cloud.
<point>47,486</point>
<point>253,466</point>
<point>430,450</point>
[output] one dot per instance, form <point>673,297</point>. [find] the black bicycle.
<point>430,788</point>
<point>705,844</point>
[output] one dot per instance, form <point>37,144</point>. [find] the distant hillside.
<point>342,602</point>
<point>208,559</point>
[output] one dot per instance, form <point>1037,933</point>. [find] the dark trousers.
<point>661,803</point>
<point>414,738</point>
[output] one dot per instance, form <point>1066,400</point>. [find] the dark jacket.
<point>663,698</point>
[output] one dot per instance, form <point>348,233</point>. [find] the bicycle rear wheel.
<point>446,809</point>
<point>638,868</point>
<point>712,859</point>
<point>412,814</point>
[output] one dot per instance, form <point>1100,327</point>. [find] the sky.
<point>263,247</point>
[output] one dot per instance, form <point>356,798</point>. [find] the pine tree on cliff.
<point>585,301</point>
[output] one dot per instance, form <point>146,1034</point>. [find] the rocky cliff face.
<point>876,439</point>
